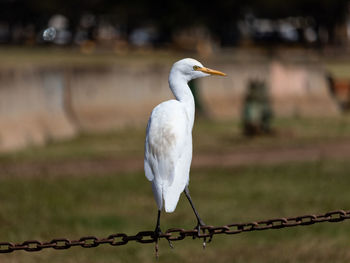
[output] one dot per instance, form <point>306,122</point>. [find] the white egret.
<point>168,146</point>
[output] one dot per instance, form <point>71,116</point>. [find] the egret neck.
<point>178,84</point>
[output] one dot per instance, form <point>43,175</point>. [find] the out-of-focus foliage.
<point>168,16</point>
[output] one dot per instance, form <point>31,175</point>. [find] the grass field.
<point>44,207</point>
<point>208,136</point>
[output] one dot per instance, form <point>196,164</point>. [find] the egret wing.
<point>167,141</point>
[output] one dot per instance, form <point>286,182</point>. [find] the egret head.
<point>192,69</point>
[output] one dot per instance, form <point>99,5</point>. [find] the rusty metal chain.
<point>176,234</point>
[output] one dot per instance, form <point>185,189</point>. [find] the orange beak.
<point>211,71</point>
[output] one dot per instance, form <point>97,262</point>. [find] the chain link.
<point>176,234</point>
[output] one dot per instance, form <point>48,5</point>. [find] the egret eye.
<point>196,67</point>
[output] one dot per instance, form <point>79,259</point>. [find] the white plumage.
<point>168,146</point>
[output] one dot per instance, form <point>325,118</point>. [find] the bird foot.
<point>198,228</point>
<point>157,233</point>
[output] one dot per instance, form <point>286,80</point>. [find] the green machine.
<point>257,111</point>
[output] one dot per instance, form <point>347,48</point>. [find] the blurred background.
<point>79,79</point>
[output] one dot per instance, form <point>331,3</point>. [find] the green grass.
<point>224,136</point>
<point>47,207</point>
<point>208,137</point>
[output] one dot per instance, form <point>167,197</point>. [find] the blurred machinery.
<point>340,89</point>
<point>257,110</point>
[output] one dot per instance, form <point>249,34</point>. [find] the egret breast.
<point>162,141</point>
<point>166,137</point>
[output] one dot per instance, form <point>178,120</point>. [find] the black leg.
<point>199,220</point>
<point>157,233</point>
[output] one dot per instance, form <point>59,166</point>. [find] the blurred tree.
<point>170,16</point>
<point>324,13</point>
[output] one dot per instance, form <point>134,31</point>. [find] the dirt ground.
<point>335,150</point>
